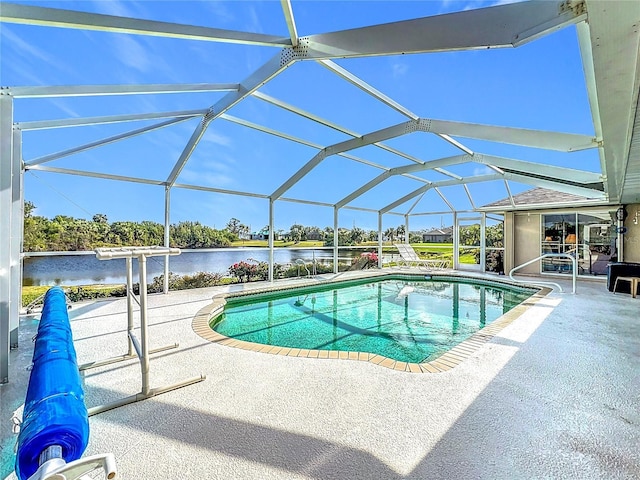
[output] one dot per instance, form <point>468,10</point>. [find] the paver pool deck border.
<point>448,360</point>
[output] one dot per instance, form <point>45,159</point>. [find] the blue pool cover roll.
<point>54,411</point>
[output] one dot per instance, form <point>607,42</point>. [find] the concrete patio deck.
<point>556,394</point>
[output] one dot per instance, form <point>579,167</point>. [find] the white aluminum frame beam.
<point>548,171</point>
<point>365,87</point>
<point>6,210</point>
<point>286,136</point>
<point>121,178</point>
<point>587,202</point>
<point>106,90</point>
<point>446,212</point>
<point>166,236</point>
<point>291,23</point>
<point>368,139</point>
<point>534,181</point>
<point>87,121</point>
<point>53,17</point>
<point>203,188</point>
<point>16,234</point>
<point>444,199</point>
<point>348,76</point>
<point>468,192</point>
<point>85,173</point>
<point>257,79</point>
<point>104,141</point>
<point>508,189</point>
<point>563,142</point>
<point>573,189</point>
<point>327,123</point>
<point>414,205</point>
<point>610,49</point>
<point>444,183</point>
<point>518,23</point>
<point>405,170</point>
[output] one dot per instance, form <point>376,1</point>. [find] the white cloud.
<point>200,177</point>
<point>25,49</point>
<point>216,138</point>
<point>132,53</point>
<point>64,107</point>
<point>399,69</point>
<point>117,8</point>
<point>254,24</point>
<point>482,170</point>
<point>221,14</point>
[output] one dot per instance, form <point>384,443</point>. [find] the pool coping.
<point>443,363</point>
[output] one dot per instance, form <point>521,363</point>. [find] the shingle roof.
<point>538,196</point>
<point>440,231</point>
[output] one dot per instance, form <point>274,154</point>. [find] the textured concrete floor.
<point>555,395</point>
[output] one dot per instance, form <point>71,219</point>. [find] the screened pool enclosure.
<point>340,109</point>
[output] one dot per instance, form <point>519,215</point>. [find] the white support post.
<point>271,238</point>
<point>144,337</point>
<point>406,229</point>
<point>379,239</point>
<point>335,239</point>
<point>6,153</point>
<point>130,299</point>
<point>167,231</point>
<point>456,241</point>
<point>17,228</point>
<point>483,241</point>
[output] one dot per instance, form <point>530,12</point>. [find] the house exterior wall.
<point>631,238</point>
<point>526,241</point>
<point>508,242</point>
<point>433,238</point>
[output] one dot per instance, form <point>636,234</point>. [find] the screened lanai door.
<point>479,243</point>
<point>469,250</point>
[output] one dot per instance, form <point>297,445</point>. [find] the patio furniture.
<point>411,259</point>
<point>621,269</point>
<point>633,283</point>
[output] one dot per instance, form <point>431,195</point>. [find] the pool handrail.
<point>300,261</point>
<point>574,263</point>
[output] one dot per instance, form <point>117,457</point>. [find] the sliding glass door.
<point>589,236</point>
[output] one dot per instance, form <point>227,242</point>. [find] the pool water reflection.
<point>405,320</point>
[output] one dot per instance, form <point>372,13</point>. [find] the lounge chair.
<point>411,259</point>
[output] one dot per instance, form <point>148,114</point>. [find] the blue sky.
<point>539,85</point>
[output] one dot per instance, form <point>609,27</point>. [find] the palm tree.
<point>390,233</point>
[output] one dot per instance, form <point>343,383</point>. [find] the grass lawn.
<point>277,243</point>
<point>29,294</point>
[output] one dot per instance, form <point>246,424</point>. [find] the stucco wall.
<point>632,235</point>
<point>526,238</point>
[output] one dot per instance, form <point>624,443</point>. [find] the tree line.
<point>346,237</point>
<point>64,233</point>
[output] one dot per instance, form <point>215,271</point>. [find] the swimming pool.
<point>403,318</point>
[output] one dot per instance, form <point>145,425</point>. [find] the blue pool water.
<point>406,320</point>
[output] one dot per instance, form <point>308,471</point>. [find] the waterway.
<point>86,269</point>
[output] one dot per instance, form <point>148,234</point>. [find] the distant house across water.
<point>315,235</point>
<point>438,235</point>
<point>263,235</point>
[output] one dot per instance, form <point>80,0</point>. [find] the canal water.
<point>86,269</point>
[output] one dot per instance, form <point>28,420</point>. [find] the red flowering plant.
<point>365,260</point>
<point>243,271</point>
